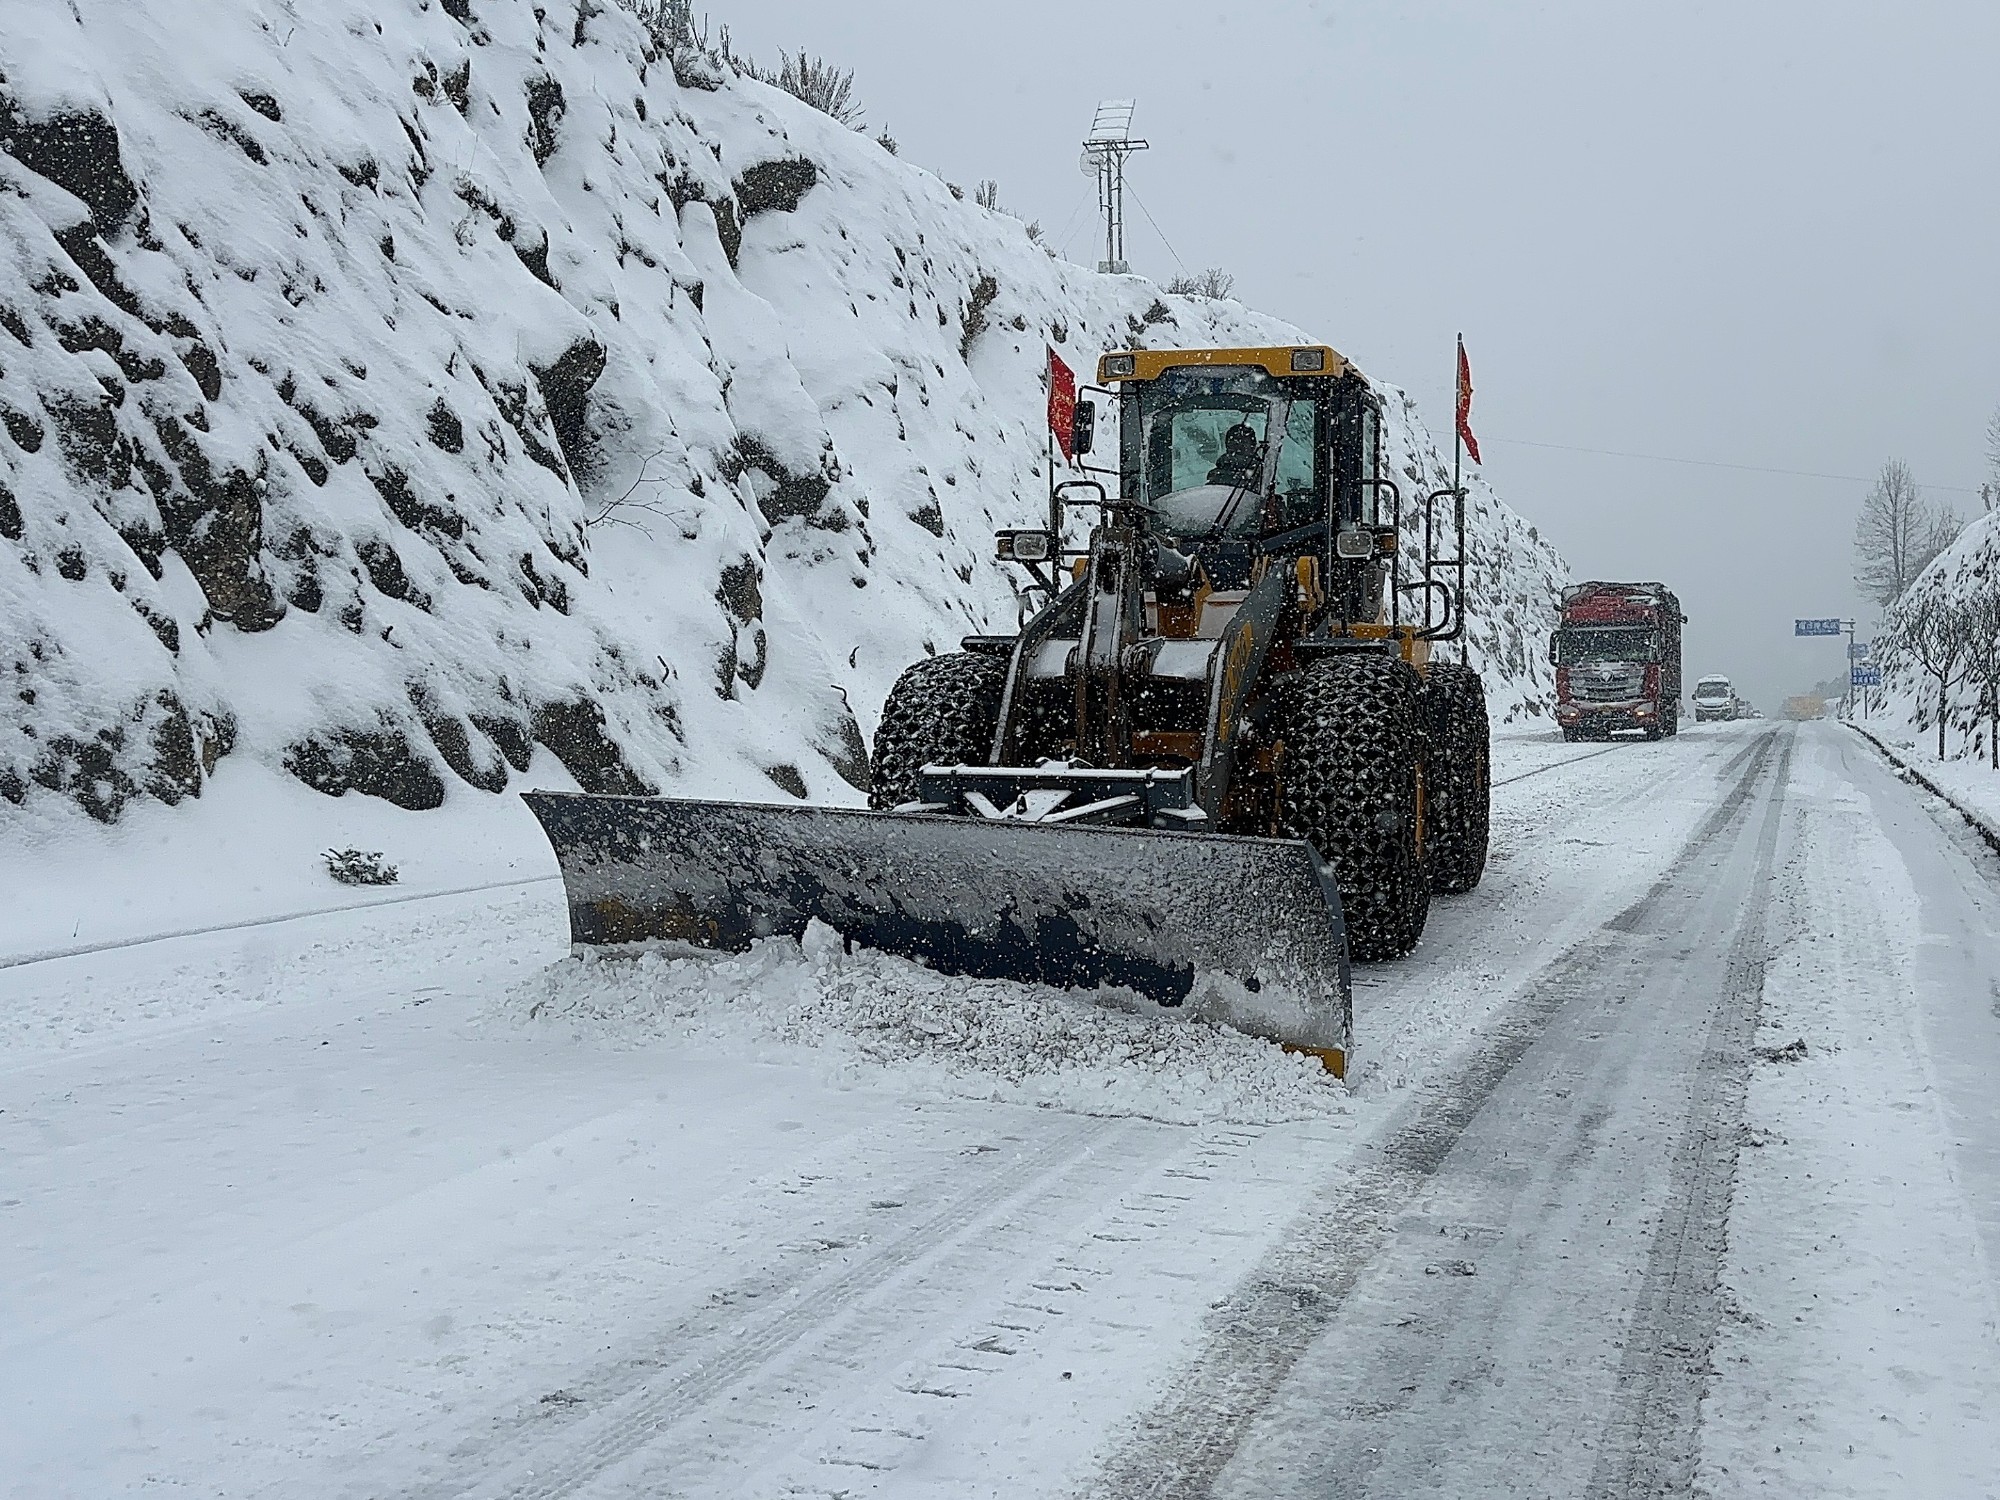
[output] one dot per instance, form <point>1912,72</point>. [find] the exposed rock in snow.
<point>388,388</point>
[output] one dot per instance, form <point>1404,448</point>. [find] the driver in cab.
<point>1241,460</point>
<point>1240,465</point>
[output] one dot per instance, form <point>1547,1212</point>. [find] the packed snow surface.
<point>402,1200</point>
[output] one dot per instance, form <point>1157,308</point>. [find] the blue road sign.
<point>1858,650</point>
<point>1816,627</point>
<point>1864,677</point>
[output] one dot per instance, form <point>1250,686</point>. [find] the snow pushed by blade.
<point>886,1022</point>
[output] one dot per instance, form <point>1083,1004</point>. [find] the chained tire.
<point>942,711</point>
<point>1458,778</point>
<point>1348,779</point>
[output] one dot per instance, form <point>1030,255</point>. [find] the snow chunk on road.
<point>888,1022</point>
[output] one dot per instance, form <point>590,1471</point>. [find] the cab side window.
<point>1371,460</point>
<point>1297,479</point>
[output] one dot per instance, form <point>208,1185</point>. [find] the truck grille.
<point>1607,684</point>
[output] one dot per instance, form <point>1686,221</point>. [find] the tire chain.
<point>1458,779</point>
<point>1348,783</point>
<point>942,711</point>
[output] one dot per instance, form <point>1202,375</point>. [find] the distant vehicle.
<point>1715,699</point>
<point>1805,706</point>
<point>1617,651</point>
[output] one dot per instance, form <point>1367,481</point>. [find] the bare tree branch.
<point>1898,534</point>
<point>1214,283</point>
<point>613,511</point>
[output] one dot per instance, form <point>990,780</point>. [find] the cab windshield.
<point>1226,453</point>
<point>1607,643</point>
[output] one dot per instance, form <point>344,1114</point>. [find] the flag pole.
<point>1457,489</point>
<point>1457,428</point>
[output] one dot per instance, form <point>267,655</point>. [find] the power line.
<point>1710,463</point>
<point>1156,228</point>
<point>1062,240</point>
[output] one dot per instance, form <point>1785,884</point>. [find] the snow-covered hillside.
<point>389,389</point>
<point>1908,709</point>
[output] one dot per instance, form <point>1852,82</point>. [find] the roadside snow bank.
<point>893,1023</point>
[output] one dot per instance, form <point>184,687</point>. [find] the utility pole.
<point>1847,705</point>
<point>1104,154</point>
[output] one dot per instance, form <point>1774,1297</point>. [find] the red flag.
<point>1465,405</point>
<point>1062,404</point>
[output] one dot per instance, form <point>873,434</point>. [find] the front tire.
<point>1457,779</point>
<point>942,711</point>
<point>1349,776</point>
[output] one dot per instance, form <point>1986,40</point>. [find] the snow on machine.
<point>1217,758</point>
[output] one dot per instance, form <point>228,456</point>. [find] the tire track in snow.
<point>1652,1441</point>
<point>1060,1273</point>
<point>692,1368</point>
<point>1258,1336</point>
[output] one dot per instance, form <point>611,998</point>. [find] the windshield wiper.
<point>1276,420</point>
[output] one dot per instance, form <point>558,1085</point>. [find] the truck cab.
<point>1617,654</point>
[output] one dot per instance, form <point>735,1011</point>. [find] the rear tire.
<point>942,711</point>
<point>1457,778</point>
<point>1572,735</point>
<point>1348,776</point>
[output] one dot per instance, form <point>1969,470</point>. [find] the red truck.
<point>1617,650</point>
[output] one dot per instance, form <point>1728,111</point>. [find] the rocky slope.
<point>389,389</point>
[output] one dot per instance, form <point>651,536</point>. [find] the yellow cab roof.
<point>1149,364</point>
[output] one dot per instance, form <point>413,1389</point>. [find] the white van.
<point>1714,698</point>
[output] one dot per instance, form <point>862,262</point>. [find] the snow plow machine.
<point>1216,760</point>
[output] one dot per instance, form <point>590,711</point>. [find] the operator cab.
<point>1242,455</point>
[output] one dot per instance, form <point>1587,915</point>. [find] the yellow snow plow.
<point>1215,759</point>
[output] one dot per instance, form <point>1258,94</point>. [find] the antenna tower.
<point>1109,143</point>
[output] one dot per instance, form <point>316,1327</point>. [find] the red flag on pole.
<point>1465,405</point>
<point>1062,405</point>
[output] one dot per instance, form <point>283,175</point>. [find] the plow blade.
<point>1247,930</point>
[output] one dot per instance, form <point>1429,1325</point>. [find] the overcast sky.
<point>1762,233</point>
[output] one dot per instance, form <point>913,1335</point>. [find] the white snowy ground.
<point>1863,1356</point>
<point>1965,773</point>
<point>399,1200</point>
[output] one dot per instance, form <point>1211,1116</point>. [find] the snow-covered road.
<point>399,1202</point>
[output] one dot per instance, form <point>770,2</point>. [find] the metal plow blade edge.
<point>1248,931</point>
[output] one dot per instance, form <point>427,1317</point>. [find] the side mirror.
<point>1082,428</point>
<point>1554,655</point>
<point>1024,546</point>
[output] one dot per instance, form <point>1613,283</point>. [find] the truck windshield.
<point>1206,461</point>
<point>1712,687</point>
<point>1607,643</point>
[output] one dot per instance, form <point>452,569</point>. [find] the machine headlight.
<point>1023,546</point>
<point>1116,365</point>
<point>1354,544</point>
<point>1308,361</point>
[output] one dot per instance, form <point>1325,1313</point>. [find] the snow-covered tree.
<point>1981,612</point>
<point>1928,626</point>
